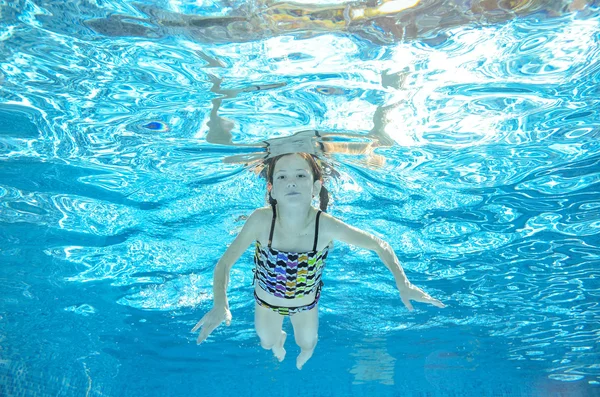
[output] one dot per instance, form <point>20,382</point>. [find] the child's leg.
<point>268,326</point>
<point>306,327</point>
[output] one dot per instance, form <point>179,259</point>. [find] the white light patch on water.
<point>82,310</point>
<point>397,6</point>
<point>326,52</point>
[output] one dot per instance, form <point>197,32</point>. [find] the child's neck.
<point>294,218</point>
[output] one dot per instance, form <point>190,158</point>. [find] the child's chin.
<point>296,199</point>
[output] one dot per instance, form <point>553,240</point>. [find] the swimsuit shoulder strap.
<point>316,231</point>
<point>272,226</point>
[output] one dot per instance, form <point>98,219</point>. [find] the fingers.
<point>424,298</point>
<point>432,301</point>
<point>438,304</point>
<point>204,334</point>
<point>209,322</point>
<point>198,325</point>
<point>201,338</point>
<point>206,330</point>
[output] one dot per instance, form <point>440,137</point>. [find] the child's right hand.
<point>212,320</point>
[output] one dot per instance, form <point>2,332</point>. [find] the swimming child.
<point>293,240</point>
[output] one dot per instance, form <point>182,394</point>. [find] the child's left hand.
<point>410,292</point>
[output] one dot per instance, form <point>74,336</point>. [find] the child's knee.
<point>266,344</point>
<point>307,342</point>
<point>267,339</point>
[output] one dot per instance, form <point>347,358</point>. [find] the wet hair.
<point>314,167</point>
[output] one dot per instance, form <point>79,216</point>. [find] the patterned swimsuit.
<point>289,275</point>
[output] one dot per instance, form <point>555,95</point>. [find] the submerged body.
<point>288,283</point>
<point>291,249</point>
<point>283,275</point>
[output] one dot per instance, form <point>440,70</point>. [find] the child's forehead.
<point>293,162</point>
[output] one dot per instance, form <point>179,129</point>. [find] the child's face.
<point>293,181</point>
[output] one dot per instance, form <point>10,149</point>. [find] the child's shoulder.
<point>261,214</point>
<point>255,224</point>
<point>329,223</point>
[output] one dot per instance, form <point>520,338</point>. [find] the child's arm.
<point>338,230</point>
<point>220,311</point>
<point>241,243</point>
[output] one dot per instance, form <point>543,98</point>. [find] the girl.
<point>292,243</point>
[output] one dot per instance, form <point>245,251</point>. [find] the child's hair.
<point>316,171</point>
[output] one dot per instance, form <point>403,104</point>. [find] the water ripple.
<point>129,133</point>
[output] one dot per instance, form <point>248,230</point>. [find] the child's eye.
<point>301,175</point>
<point>281,177</point>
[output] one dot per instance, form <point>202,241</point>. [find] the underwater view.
<point>133,142</point>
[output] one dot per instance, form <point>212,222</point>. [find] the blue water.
<point>130,133</point>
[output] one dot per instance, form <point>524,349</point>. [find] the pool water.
<point>466,134</point>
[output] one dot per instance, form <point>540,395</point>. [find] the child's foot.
<point>278,349</point>
<point>303,357</point>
